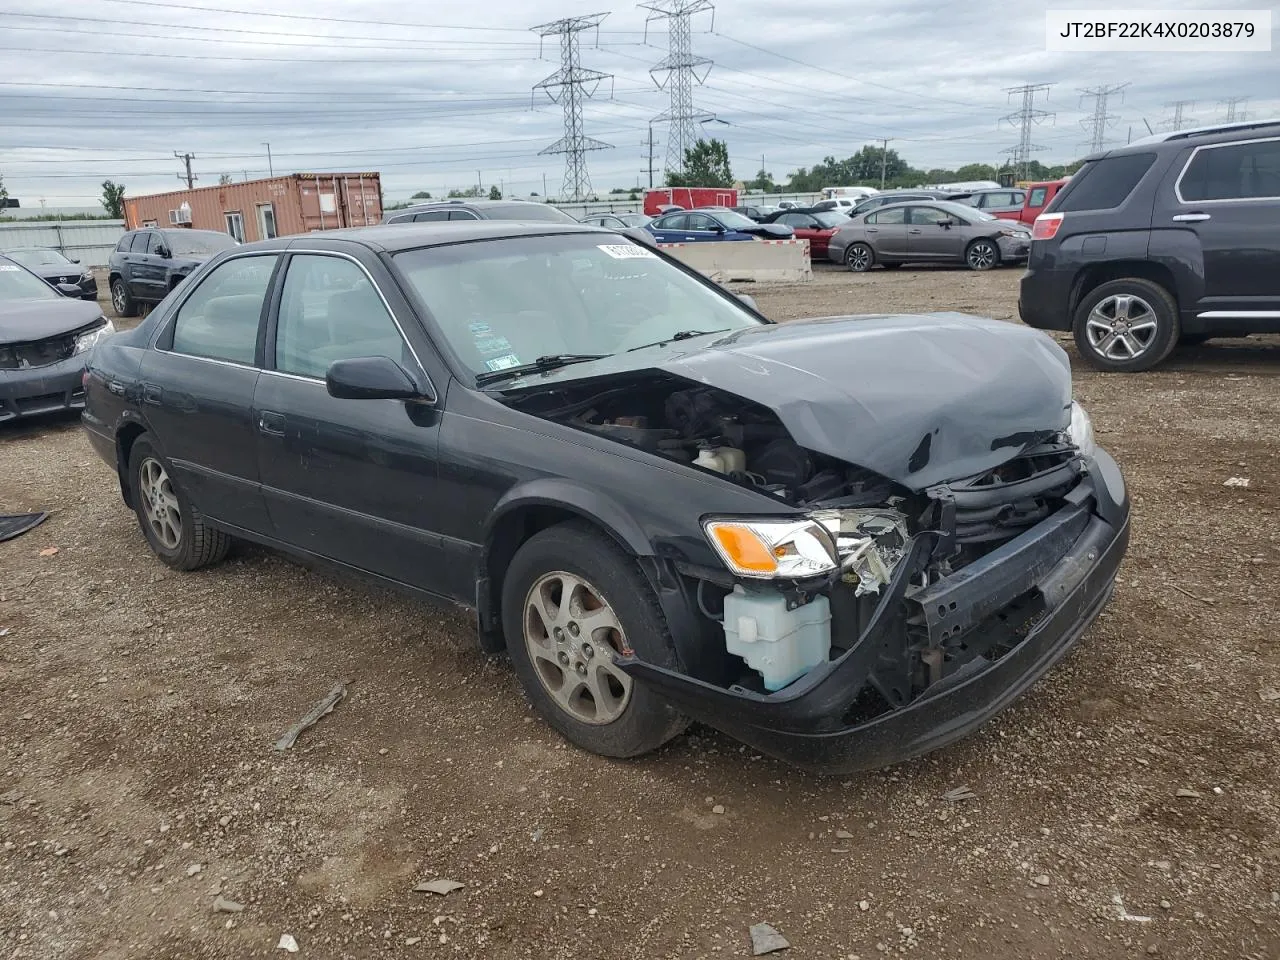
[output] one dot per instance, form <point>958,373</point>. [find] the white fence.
<point>621,204</point>
<point>89,241</point>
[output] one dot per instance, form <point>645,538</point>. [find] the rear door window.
<point>1104,184</point>
<point>140,241</point>
<point>1236,171</point>
<point>432,216</point>
<point>219,321</point>
<point>897,215</point>
<point>1037,197</point>
<point>155,243</point>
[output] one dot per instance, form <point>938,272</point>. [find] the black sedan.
<point>56,268</point>
<point>843,541</point>
<point>45,337</point>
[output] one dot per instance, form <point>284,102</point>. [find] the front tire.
<point>121,302</point>
<point>982,255</point>
<point>175,530</point>
<point>1126,326</point>
<point>859,257</point>
<point>570,600</point>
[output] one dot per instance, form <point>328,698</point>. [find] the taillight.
<point>84,380</point>
<point>1046,226</point>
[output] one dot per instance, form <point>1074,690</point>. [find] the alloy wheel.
<point>571,634</point>
<point>858,258</point>
<point>117,297</point>
<point>982,256</point>
<point>1121,327</point>
<point>160,503</point>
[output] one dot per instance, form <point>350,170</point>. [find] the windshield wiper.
<point>551,361</point>
<point>681,335</point>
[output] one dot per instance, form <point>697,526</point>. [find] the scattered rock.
<point>959,793</point>
<point>1166,905</point>
<point>223,905</point>
<point>765,939</point>
<point>718,808</point>
<point>864,906</point>
<point>1041,881</point>
<point>194,869</point>
<point>843,835</point>
<point>1236,482</point>
<point>224,821</point>
<point>383,752</point>
<point>1188,793</point>
<point>412,941</point>
<point>537,893</point>
<point>1269,695</point>
<point>441,887</point>
<point>49,552</point>
<point>287,943</point>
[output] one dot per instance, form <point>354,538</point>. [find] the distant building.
<point>261,209</point>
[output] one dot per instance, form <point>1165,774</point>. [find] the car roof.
<point>1214,133</point>
<point>396,237</point>
<point>477,204</point>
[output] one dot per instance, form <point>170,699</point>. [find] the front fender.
<point>565,494</point>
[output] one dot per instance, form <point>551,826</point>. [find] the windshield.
<point>205,242</point>
<point>19,284</point>
<point>502,303</point>
<point>633,219</point>
<point>529,211</point>
<point>39,258</point>
<point>734,221</point>
<point>829,218</point>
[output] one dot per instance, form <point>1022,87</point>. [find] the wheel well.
<point>112,277</point>
<point>125,438</point>
<point>1095,275</point>
<point>507,536</point>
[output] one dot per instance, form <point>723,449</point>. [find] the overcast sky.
<point>431,94</point>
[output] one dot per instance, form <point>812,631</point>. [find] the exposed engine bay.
<point>776,630</point>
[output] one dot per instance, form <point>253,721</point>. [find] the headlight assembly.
<point>773,549</point>
<point>85,341</point>
<point>1081,430</point>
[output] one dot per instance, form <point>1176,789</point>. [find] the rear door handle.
<point>271,424</point>
<point>915,231</point>
<point>872,230</point>
<point>1191,217</point>
<point>152,394</point>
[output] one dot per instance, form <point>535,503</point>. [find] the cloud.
<point>439,96</point>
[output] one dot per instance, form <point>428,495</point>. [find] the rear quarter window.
<point>1103,184</point>
<point>1237,171</point>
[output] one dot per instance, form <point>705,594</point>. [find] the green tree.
<point>4,194</point>
<point>224,179</point>
<point>495,193</point>
<point>464,194</point>
<point>976,171</point>
<point>762,183</point>
<point>113,199</point>
<point>706,164</point>
<point>421,195</point>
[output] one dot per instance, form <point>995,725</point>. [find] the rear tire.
<point>1126,326</point>
<point>123,304</point>
<point>982,255</point>
<point>859,257</point>
<point>571,598</point>
<point>175,530</point>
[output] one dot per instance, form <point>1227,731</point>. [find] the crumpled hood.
<point>918,399</point>
<point>25,320</point>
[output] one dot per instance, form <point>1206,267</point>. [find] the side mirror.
<point>717,229</point>
<point>946,224</point>
<point>749,301</point>
<point>372,378</point>
<point>74,259</point>
<point>69,290</point>
<point>164,253</point>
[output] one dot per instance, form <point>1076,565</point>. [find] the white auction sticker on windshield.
<point>627,251</point>
<point>504,363</point>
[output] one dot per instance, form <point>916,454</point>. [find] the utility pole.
<point>271,170</point>
<point>479,184</point>
<point>544,186</point>
<point>1025,119</point>
<point>569,86</point>
<point>190,177</point>
<point>1179,118</point>
<point>884,157</point>
<point>681,70</point>
<point>1231,103</point>
<point>651,155</point>
<point>1098,123</point>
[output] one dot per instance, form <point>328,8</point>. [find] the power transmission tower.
<point>682,71</point>
<point>1025,119</point>
<point>1179,118</point>
<point>1098,123</point>
<point>1233,114</point>
<point>190,177</point>
<point>568,87</point>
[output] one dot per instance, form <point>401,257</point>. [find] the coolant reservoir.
<point>722,459</point>
<point>781,645</point>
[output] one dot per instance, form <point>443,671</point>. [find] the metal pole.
<point>271,170</point>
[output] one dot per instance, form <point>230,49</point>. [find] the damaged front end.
<point>872,621</point>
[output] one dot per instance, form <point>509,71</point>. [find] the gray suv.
<point>477,210</point>
<point>1171,239</point>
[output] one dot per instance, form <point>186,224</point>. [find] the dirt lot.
<point>1128,806</point>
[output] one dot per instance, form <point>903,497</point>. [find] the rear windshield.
<point>1103,184</point>
<point>529,211</point>
<point>182,242</point>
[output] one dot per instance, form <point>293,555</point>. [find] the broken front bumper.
<point>1068,563</point>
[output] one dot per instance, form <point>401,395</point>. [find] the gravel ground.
<point>1127,806</point>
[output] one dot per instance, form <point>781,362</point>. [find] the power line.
<point>1231,103</point>
<point>200,56</point>
<point>1025,118</point>
<point>1097,124</point>
<point>567,86</point>
<point>681,69</point>
<point>1179,118</point>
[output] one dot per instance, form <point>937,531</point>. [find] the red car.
<point>1038,197</point>
<point>816,226</point>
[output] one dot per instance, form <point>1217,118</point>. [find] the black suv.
<point>1172,239</point>
<point>477,210</point>
<point>146,264</point>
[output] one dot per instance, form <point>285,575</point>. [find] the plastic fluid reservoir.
<point>721,459</point>
<point>781,645</point>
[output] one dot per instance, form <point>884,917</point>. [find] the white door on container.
<point>235,225</point>
<point>266,221</point>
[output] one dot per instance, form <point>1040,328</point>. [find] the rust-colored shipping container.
<point>260,209</point>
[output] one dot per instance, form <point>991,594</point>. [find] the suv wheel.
<point>1126,326</point>
<point>571,600</point>
<point>121,302</point>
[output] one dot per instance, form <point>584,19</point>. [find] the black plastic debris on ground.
<point>15,524</point>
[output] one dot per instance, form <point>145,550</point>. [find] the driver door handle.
<point>270,423</point>
<point>1191,217</point>
<point>915,231</point>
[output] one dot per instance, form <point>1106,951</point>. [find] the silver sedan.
<point>935,231</point>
